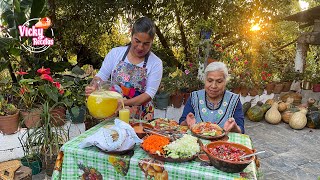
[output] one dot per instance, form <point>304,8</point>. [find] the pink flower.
<point>245,62</point>
<point>187,71</point>
<point>61,91</point>
<point>21,72</point>
<point>46,77</point>
<point>57,84</point>
<point>43,70</point>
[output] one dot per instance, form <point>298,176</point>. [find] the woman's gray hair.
<point>144,25</point>
<point>217,66</point>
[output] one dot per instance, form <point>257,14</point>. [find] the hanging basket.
<point>9,124</point>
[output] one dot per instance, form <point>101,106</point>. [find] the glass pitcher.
<point>103,102</point>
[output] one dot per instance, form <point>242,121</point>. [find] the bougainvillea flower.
<point>43,70</point>
<point>61,91</point>
<point>264,78</point>
<point>187,71</point>
<point>57,84</point>
<point>46,77</point>
<point>21,72</point>
<point>190,64</point>
<point>22,91</point>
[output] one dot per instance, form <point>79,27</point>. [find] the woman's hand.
<point>191,120</point>
<point>89,89</point>
<point>231,126</point>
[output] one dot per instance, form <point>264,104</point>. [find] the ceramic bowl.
<point>138,128</point>
<point>228,165</point>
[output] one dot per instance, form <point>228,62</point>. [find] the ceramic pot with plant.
<point>31,156</point>
<point>9,117</point>
<point>48,138</point>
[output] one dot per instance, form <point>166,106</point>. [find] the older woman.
<point>214,103</point>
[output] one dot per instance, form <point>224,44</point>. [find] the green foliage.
<point>6,108</point>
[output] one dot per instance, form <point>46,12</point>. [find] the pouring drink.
<point>103,103</point>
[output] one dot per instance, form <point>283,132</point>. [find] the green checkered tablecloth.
<point>83,163</point>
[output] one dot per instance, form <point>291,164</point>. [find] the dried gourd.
<point>273,116</point>
<point>298,120</point>
<point>282,106</point>
<point>286,115</point>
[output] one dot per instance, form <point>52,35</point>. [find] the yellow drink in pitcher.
<point>102,104</point>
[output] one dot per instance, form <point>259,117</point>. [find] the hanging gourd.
<point>255,113</point>
<point>298,120</point>
<point>313,119</point>
<point>273,116</point>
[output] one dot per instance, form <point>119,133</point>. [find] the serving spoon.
<point>253,154</point>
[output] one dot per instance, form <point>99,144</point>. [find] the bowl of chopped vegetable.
<point>226,156</point>
<point>160,148</point>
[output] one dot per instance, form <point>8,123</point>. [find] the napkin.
<point>103,138</point>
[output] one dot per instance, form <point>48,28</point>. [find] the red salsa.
<point>227,152</point>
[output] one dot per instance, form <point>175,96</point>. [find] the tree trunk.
<point>164,43</point>
<point>183,36</point>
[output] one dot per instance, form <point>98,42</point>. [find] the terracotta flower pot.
<point>244,91</point>
<point>253,92</point>
<point>31,118</point>
<point>186,97</point>
<point>270,87</point>
<point>286,86</point>
<point>278,88</point>
<point>316,88</point>
<point>9,124</point>
<point>236,90</point>
<point>58,115</point>
<point>176,100</point>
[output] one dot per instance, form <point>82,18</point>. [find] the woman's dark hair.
<point>144,25</point>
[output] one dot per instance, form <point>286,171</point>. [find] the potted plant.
<point>9,116</point>
<point>288,77</point>
<point>48,138</point>
<point>75,83</point>
<point>31,156</point>
<point>52,92</point>
<point>316,82</point>
<point>29,104</point>
<point>307,78</point>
